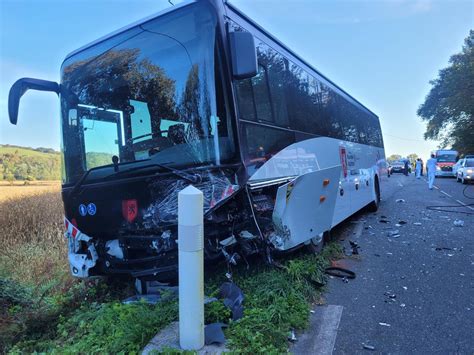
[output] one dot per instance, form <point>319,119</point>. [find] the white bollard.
<point>191,268</point>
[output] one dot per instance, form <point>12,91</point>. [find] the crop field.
<point>44,309</point>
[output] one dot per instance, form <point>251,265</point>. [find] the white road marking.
<point>324,342</point>
<point>445,193</point>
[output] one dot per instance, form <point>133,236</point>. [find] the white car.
<point>465,171</point>
<point>456,167</point>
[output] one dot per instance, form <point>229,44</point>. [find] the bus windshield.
<point>151,93</point>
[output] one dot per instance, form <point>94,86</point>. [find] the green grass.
<point>89,317</point>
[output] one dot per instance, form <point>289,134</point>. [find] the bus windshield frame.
<point>153,93</point>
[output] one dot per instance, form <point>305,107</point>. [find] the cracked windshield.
<point>148,94</point>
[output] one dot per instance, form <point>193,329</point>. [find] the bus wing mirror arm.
<point>243,55</point>
<point>23,85</point>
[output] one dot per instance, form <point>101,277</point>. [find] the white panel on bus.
<point>304,207</point>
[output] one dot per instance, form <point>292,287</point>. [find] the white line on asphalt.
<point>462,203</point>
<point>445,193</point>
<point>324,342</point>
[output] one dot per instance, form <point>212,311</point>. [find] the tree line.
<point>28,164</point>
<point>449,106</point>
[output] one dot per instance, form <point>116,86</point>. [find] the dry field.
<point>31,232</point>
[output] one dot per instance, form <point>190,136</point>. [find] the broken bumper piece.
<point>81,252</point>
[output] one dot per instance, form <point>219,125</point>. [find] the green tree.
<point>394,157</point>
<point>412,157</point>
<point>449,107</point>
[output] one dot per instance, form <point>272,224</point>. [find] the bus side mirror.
<point>243,55</point>
<point>23,85</point>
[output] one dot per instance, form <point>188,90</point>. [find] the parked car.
<point>465,171</point>
<point>456,167</point>
<point>398,166</point>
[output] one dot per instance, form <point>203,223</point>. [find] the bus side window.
<point>261,95</point>
<point>245,100</point>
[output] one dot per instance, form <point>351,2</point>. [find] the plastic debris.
<point>458,223</point>
<point>400,200</point>
<point>390,295</point>
<point>233,299</point>
<point>312,311</point>
<point>417,224</point>
<point>402,305</point>
<point>355,247</point>
<point>398,225</point>
<point>384,221</point>
<point>394,233</point>
<point>292,336</point>
<point>384,324</point>
<point>442,248</point>
<point>368,347</point>
<point>213,333</point>
<point>402,222</point>
<point>209,299</point>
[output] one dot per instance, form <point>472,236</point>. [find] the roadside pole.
<point>191,268</point>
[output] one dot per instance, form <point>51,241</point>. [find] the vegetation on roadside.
<point>43,309</point>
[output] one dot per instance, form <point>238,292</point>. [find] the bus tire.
<point>374,205</point>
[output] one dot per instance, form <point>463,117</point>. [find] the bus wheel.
<point>374,205</point>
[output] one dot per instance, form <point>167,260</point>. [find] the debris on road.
<point>292,336</point>
<point>402,222</point>
<point>402,305</point>
<point>384,324</point>
<point>442,248</point>
<point>340,272</point>
<point>394,233</point>
<point>400,200</point>
<point>233,299</point>
<point>417,224</point>
<point>213,333</point>
<point>458,223</point>
<point>355,247</point>
<point>368,347</point>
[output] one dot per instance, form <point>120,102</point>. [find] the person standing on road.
<point>405,170</point>
<point>421,161</point>
<point>418,168</point>
<point>431,171</point>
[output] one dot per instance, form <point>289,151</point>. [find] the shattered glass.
<point>215,186</point>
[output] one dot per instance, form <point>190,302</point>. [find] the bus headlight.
<point>469,171</point>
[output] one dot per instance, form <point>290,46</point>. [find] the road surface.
<point>413,293</point>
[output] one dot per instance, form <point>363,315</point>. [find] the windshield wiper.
<point>193,178</point>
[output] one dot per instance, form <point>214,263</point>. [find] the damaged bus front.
<point>179,99</point>
<point>145,115</point>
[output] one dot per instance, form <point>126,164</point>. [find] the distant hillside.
<point>22,163</point>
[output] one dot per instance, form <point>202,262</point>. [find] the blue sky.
<point>382,52</point>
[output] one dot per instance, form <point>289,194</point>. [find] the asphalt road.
<point>413,293</point>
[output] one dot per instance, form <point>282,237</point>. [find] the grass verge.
<point>91,318</point>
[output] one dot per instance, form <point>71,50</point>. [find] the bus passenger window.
<point>245,100</point>
<point>261,95</point>
<point>264,142</point>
